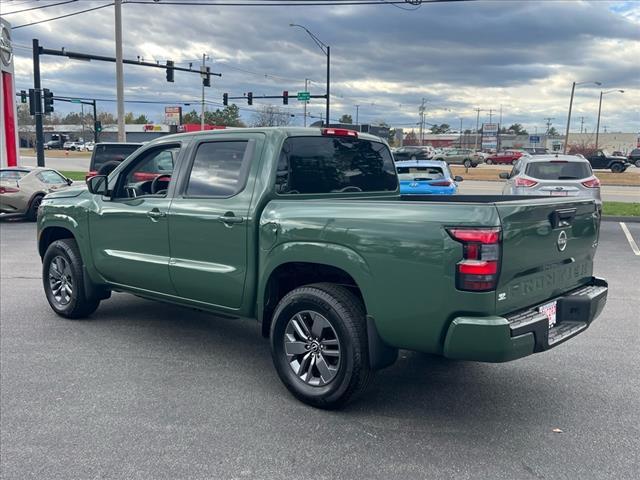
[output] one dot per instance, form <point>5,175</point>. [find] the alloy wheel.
<point>60,280</point>
<point>312,348</point>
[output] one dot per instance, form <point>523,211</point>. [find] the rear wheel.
<point>489,161</point>
<point>617,168</point>
<point>63,280</point>
<point>319,345</point>
<point>32,213</point>
<point>467,163</point>
<point>513,162</point>
<point>637,164</point>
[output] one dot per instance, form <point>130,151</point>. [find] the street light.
<point>600,109</point>
<point>573,88</point>
<point>327,51</point>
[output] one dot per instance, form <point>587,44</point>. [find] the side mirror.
<point>97,185</point>
<point>504,175</point>
<point>69,181</point>
<point>458,178</point>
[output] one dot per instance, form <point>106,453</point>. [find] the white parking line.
<point>630,239</point>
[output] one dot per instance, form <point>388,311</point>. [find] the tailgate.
<point>548,249</point>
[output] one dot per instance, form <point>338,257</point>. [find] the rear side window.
<point>219,169</point>
<point>12,174</point>
<point>334,165</point>
<point>559,170</point>
<point>420,173</point>
<point>50,177</point>
<point>110,153</point>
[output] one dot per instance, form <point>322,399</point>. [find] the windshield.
<point>559,170</point>
<point>415,174</point>
<point>334,165</point>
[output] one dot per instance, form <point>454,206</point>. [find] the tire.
<point>32,213</point>
<point>467,163</point>
<point>63,257</point>
<point>339,318</point>
<point>513,162</point>
<point>413,157</point>
<point>637,163</point>
<point>489,161</point>
<point>617,167</point>
<point>474,165</point>
<point>108,167</point>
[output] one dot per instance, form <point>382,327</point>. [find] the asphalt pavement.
<point>145,390</point>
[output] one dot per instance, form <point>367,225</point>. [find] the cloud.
<point>521,55</point>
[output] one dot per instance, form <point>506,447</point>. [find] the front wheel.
<point>513,162</point>
<point>467,163</point>
<point>489,161</point>
<point>637,163</point>
<point>319,345</point>
<point>63,280</point>
<point>32,213</point>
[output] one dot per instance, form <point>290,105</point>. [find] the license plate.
<point>549,309</point>
<point>559,194</point>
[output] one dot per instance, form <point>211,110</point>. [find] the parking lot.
<point>147,390</point>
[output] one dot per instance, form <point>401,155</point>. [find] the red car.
<point>508,157</point>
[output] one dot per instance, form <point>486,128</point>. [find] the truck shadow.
<point>419,391</point>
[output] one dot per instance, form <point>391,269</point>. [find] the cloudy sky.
<point>458,56</point>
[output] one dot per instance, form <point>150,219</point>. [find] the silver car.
<point>552,175</point>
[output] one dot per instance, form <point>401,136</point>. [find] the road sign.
<point>534,138</point>
<point>304,96</point>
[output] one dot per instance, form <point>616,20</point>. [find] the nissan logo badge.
<point>562,241</point>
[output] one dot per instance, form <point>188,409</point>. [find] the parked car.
<point>22,189</point>
<point>427,177</point>
<point>507,157</point>
<point>604,160</point>
<point>52,145</point>
<point>634,157</point>
<point>74,146</point>
<point>106,156</point>
<point>412,153</point>
<point>89,146</point>
<point>305,230</point>
<point>462,156</point>
<point>552,175</point>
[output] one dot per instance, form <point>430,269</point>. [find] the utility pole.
<point>122,136</point>
<point>203,70</point>
<point>357,114</point>
<point>581,124</point>
<point>549,123</point>
<point>306,86</point>
<point>478,110</point>
<point>421,110</point>
<point>490,115</point>
<point>460,146</point>
<point>500,123</point>
<point>82,120</point>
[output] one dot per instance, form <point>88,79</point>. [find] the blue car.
<point>426,177</point>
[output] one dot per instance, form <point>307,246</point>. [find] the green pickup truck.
<point>306,231</point>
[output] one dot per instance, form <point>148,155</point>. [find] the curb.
<point>614,218</point>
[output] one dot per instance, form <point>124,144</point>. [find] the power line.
<point>63,16</point>
<point>40,7</point>
<point>286,3</point>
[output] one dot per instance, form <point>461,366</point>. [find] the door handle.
<point>230,219</point>
<point>155,214</point>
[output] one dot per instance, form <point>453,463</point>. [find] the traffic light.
<point>97,126</point>
<point>206,80</point>
<point>285,98</point>
<point>23,96</point>
<point>250,98</point>
<point>32,101</point>
<point>225,99</point>
<point>170,71</point>
<point>48,100</point>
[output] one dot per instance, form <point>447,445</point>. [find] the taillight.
<point>478,270</point>
<point>525,182</point>
<point>592,183</point>
<point>441,183</point>
<point>90,174</point>
<point>9,190</point>
<point>339,132</point>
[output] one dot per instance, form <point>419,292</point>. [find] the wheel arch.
<point>50,234</point>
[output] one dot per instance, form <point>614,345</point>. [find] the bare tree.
<point>271,116</point>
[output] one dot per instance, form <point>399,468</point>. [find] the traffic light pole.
<point>37,87</point>
<point>84,102</point>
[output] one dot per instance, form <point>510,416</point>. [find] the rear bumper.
<point>521,333</point>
